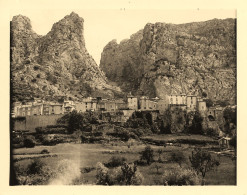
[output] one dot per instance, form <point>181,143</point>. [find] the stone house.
<point>90,103</point>
<point>191,102</point>
<point>132,102</point>
<point>147,104</point>
<point>224,142</point>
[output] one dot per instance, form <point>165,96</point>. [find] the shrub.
<point>211,132</point>
<point>36,67</point>
<point>209,103</point>
<point>180,177</point>
<point>34,80</point>
<point>18,140</point>
<point>35,167</point>
<point>128,175</point>
<point>196,125</point>
<point>178,157</point>
<point>233,141</point>
<point>29,142</point>
<point>160,151</point>
<point>60,129</point>
<point>116,161</point>
<point>148,155</point>
<point>44,151</point>
<point>124,175</point>
<point>102,175</point>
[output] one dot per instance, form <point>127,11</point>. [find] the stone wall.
<point>31,122</point>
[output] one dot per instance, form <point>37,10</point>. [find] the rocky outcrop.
<point>165,59</point>
<point>120,62</point>
<point>57,64</point>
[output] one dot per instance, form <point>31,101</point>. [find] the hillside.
<point>57,64</point>
<point>195,58</point>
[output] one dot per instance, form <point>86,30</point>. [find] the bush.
<point>35,167</point>
<point>209,103</point>
<point>148,155</point>
<point>180,177</point>
<point>44,151</point>
<point>211,132</point>
<point>124,175</point>
<point>36,67</point>
<point>233,141</point>
<point>29,142</point>
<point>196,125</point>
<point>116,161</point>
<point>178,157</point>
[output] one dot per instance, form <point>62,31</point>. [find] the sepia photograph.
<point>123,97</point>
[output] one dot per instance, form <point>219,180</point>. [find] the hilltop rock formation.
<point>57,64</point>
<point>195,58</point>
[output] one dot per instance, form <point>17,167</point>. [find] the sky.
<point>104,25</point>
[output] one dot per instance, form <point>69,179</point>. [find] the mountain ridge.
<point>55,64</point>
<point>193,58</point>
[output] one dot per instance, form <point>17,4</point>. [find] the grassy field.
<point>88,155</point>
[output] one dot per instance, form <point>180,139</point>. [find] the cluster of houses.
<point>144,103</point>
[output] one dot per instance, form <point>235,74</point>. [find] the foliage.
<point>116,161</point>
<point>51,129</point>
<point>204,94</point>
<point>180,177</point>
<point>124,175</point>
<point>160,151</point>
<point>173,120</point>
<point>211,132</point>
<point>123,134</point>
<point>229,115</point>
<point>44,151</point>
<point>202,161</point>
<point>233,141</point>
<point>147,155</point>
<point>209,103</point>
<point>195,127</point>
<point>35,167</point>
<point>167,122</point>
<point>29,142</point>
<point>78,121</point>
<point>178,157</point>
<point>222,103</point>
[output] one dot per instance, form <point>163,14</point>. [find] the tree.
<point>178,157</point>
<point>233,141</point>
<point>209,103</point>
<point>29,142</point>
<point>196,125</point>
<point>75,121</point>
<point>229,115</point>
<point>202,162</point>
<point>147,154</point>
<point>160,151</point>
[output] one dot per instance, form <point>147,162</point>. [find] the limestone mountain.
<point>194,58</point>
<point>57,64</point>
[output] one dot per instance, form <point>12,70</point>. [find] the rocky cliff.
<point>57,64</point>
<point>162,59</point>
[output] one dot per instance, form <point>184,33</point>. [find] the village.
<point>144,103</point>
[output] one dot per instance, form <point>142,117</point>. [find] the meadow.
<point>81,160</point>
